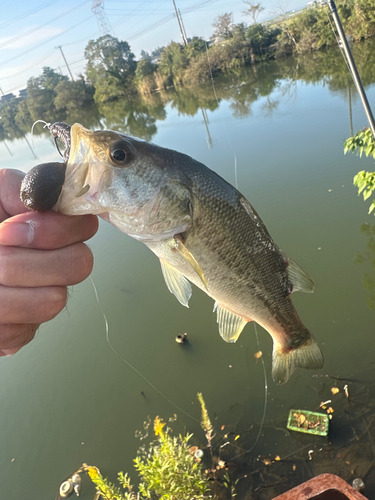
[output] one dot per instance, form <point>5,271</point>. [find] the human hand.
<point>41,254</point>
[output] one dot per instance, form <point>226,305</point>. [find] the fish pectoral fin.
<point>300,280</point>
<point>189,257</point>
<point>176,283</point>
<point>230,324</point>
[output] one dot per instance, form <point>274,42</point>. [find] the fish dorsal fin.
<point>189,257</point>
<point>230,325</point>
<point>176,283</point>
<point>298,277</point>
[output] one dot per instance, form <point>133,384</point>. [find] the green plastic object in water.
<point>309,422</point>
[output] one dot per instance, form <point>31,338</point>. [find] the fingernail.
<point>17,234</point>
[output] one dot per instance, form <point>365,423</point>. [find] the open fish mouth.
<point>84,174</point>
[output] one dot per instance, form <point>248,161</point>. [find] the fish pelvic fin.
<point>285,361</point>
<point>176,283</point>
<point>230,324</point>
<point>189,257</point>
<point>298,277</point>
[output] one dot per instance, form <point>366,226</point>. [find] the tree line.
<point>112,71</point>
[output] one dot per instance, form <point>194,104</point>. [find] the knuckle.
<point>6,267</point>
<point>57,298</point>
<point>15,336</point>
<point>81,263</point>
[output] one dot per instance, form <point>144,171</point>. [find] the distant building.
<point>212,41</point>
<point>22,93</point>
<point>7,97</point>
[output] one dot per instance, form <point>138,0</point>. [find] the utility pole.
<point>66,62</point>
<point>183,27</point>
<point>179,23</point>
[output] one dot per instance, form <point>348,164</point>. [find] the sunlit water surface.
<point>66,398</point>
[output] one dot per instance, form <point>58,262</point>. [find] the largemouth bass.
<point>203,230</point>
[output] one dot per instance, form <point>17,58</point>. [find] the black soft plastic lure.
<point>41,186</point>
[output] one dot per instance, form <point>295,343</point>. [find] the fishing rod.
<point>361,91</point>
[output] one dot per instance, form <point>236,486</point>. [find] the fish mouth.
<point>84,175</point>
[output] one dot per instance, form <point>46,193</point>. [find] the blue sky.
<point>31,31</point>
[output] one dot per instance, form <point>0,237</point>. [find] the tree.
<point>253,10</point>
<point>72,96</point>
<point>195,47</point>
<point>223,25</point>
<point>146,55</point>
<point>41,92</point>
<point>110,67</point>
<point>144,68</point>
<point>173,62</point>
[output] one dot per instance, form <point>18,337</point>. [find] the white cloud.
<point>20,40</point>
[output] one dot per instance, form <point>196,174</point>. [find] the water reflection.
<point>139,115</point>
<point>368,256</point>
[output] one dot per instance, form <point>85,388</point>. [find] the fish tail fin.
<point>285,361</point>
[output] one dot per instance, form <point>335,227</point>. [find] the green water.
<point>66,398</point>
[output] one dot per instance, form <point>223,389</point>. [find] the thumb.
<point>10,201</point>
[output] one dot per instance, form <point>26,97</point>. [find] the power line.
<point>27,14</point>
<point>33,30</point>
<point>11,59</point>
<point>34,63</point>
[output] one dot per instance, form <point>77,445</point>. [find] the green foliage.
<point>173,62</point>
<point>144,68</point>
<point>205,421</point>
<point>168,471</point>
<point>363,141</point>
<point>195,47</point>
<point>41,93</point>
<point>73,96</point>
<point>110,67</point>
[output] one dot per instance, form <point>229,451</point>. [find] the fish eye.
<point>121,153</point>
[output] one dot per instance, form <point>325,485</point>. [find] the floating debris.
<point>66,488</point>
<point>358,484</point>
<point>308,422</point>
<point>335,390</point>
<point>180,339</point>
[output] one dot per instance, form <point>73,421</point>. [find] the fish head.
<point>126,181</point>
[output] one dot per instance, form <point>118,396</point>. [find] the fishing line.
<point>265,393</point>
<point>129,364</point>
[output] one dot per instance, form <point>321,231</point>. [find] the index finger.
<point>10,186</point>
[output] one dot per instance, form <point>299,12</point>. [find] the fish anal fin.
<point>176,283</point>
<point>300,280</point>
<point>230,324</point>
<point>189,257</point>
<point>285,361</point>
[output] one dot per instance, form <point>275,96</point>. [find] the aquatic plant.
<point>168,468</point>
<point>363,142</point>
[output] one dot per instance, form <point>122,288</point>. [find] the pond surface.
<point>67,398</point>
